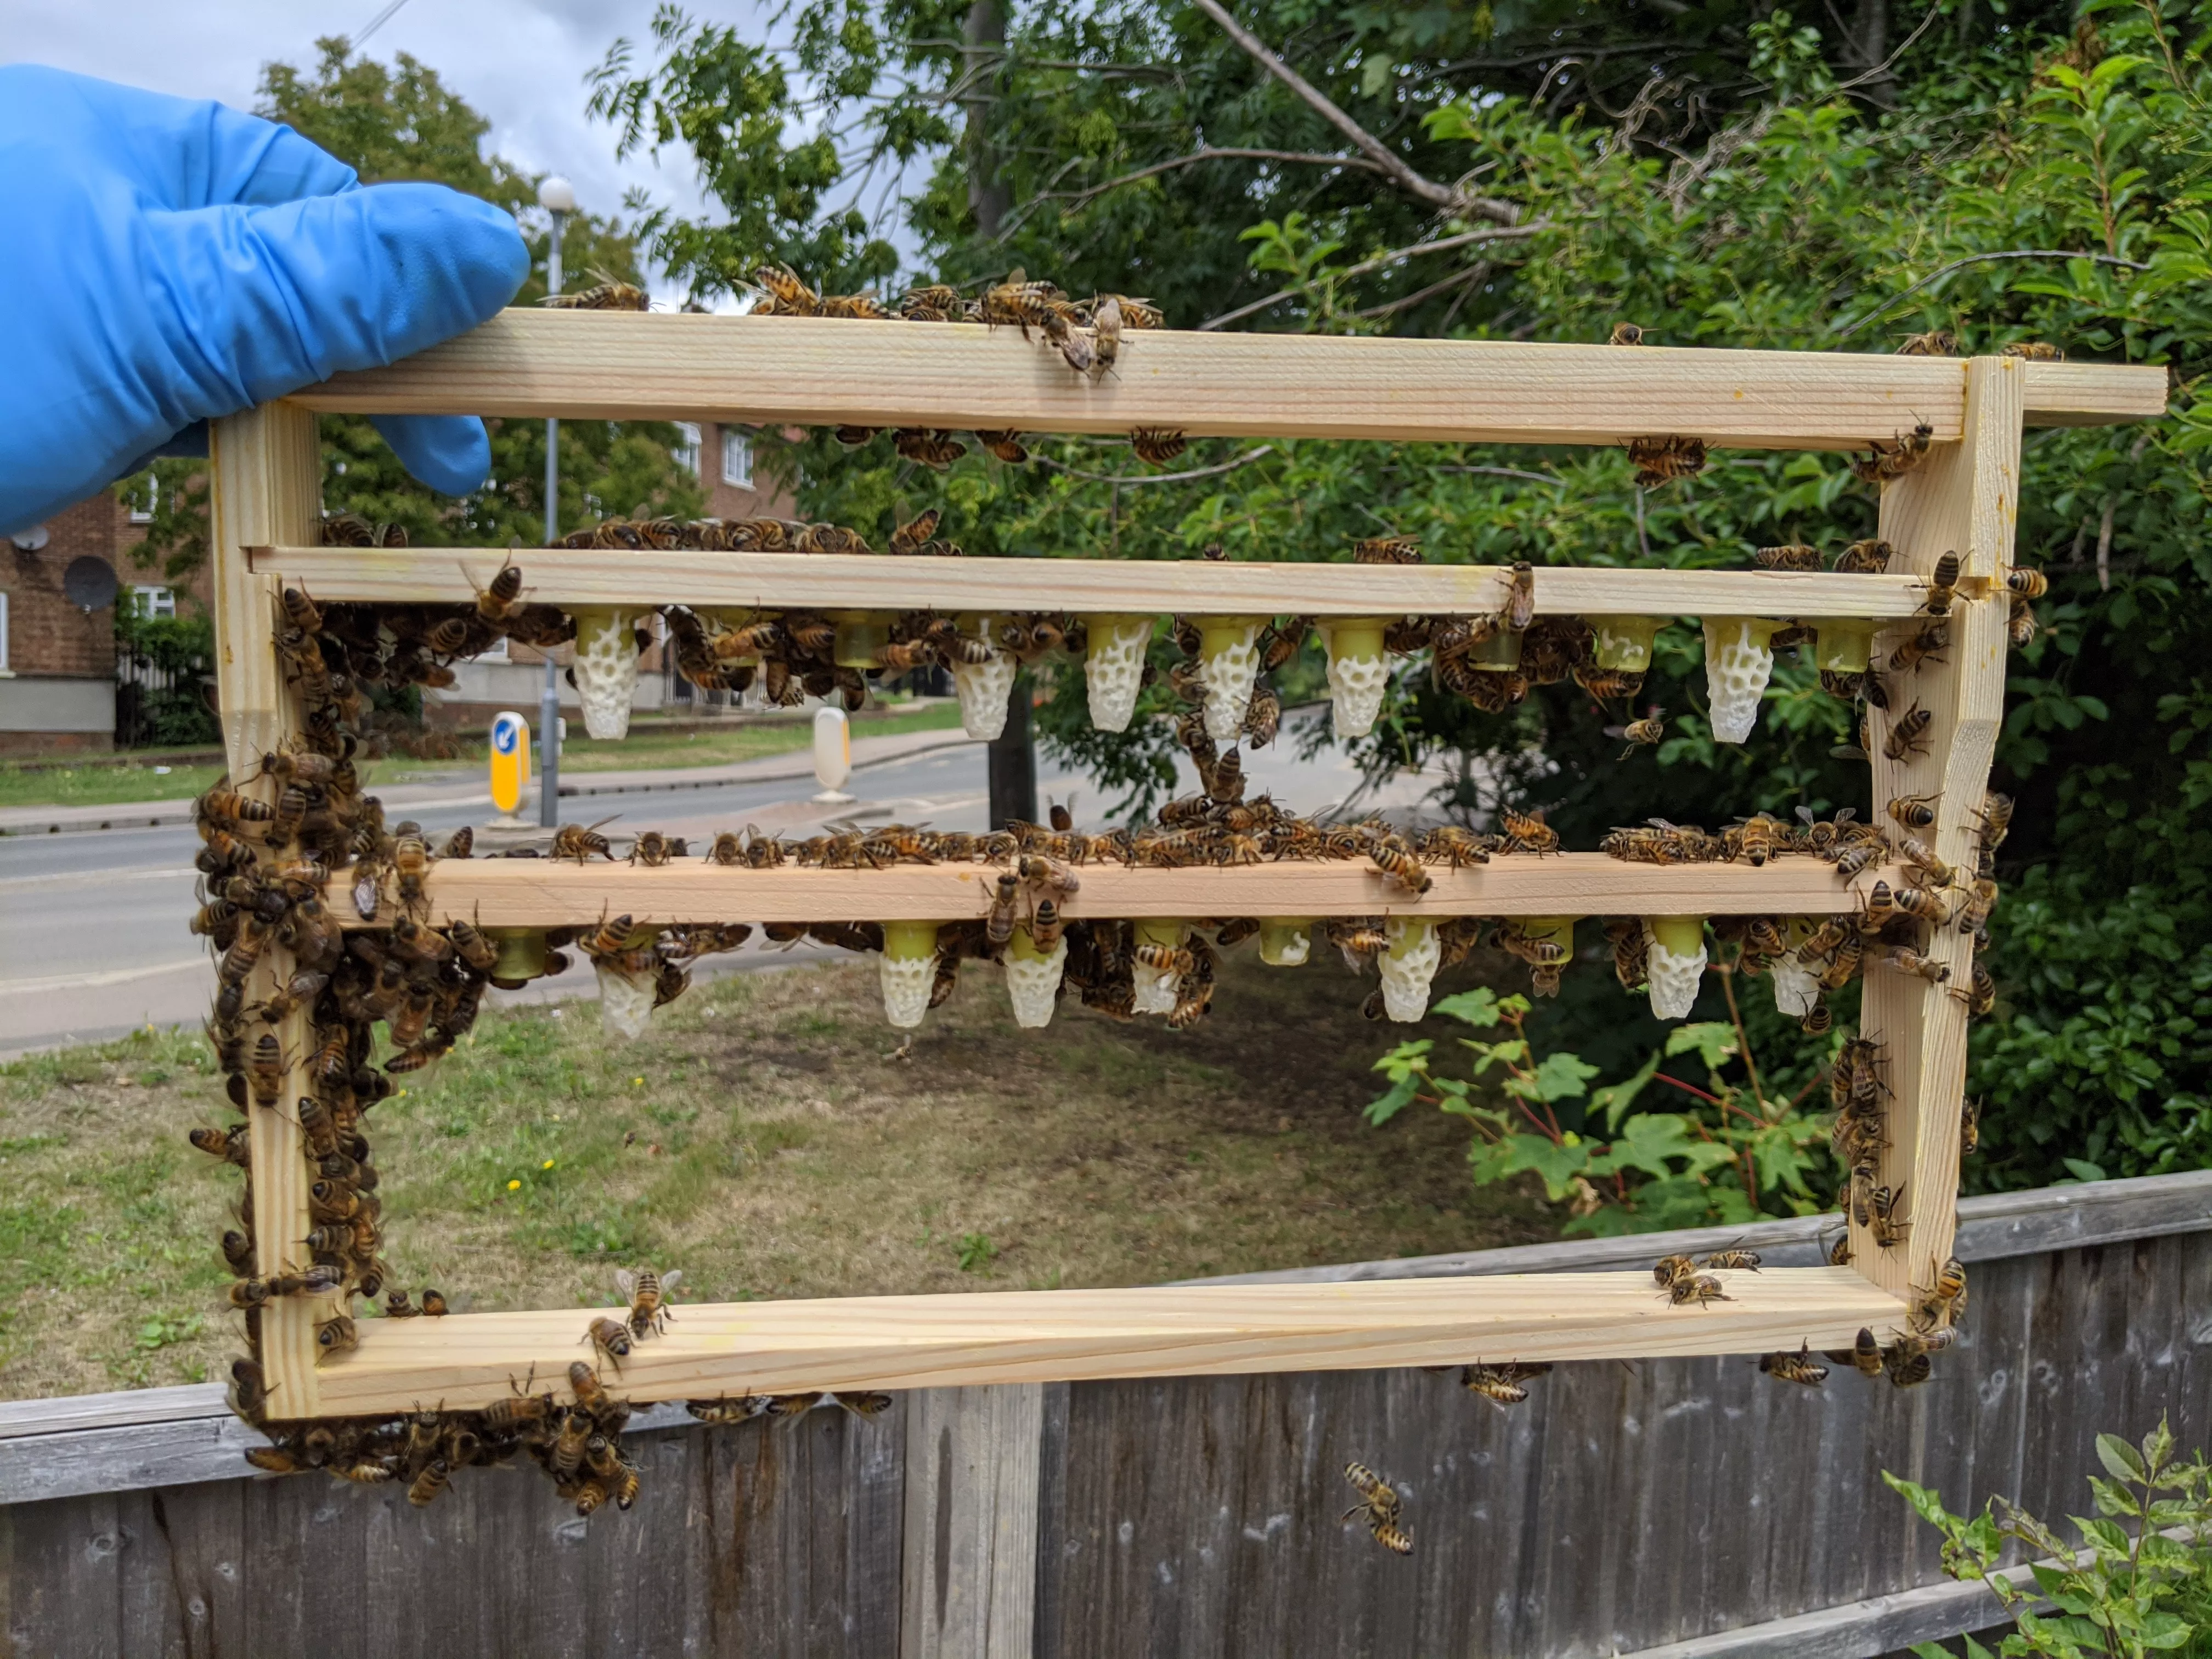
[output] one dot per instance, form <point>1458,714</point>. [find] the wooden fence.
<point>1677,1507</point>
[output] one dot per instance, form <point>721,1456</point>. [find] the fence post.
<point>968,1569</point>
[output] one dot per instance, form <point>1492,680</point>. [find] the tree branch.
<point>1442,197</point>
<point>1501,233</point>
<point>1843,333</point>
<point>1210,152</point>
<point>1134,478</point>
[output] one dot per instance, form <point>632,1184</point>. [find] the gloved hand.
<point>168,261</point>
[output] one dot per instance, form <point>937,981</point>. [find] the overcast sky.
<point>521,62</point>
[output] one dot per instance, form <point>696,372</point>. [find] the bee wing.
<point>626,1282</point>
<point>668,1279</point>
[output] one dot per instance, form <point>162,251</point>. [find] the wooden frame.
<point>777,369</point>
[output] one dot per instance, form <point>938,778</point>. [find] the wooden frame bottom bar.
<point>467,1361</point>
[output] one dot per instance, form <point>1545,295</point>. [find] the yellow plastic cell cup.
<point>861,635</point>
<point>1684,935</point>
<point>1286,941</point>
<point>1623,644</point>
<point>1843,645</point>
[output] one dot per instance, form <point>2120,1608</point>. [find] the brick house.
<point>56,658</point>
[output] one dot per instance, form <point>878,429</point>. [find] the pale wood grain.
<point>969,1573</point>
<point>540,893</point>
<point>267,486</point>
<point>1966,501</point>
<point>573,577</point>
<point>811,372</point>
<point>1039,1336</point>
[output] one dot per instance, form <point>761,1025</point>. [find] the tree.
<point>401,123</point>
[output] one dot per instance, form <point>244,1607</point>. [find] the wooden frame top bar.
<point>816,372</point>
<point>465,1361</point>
<point>504,892</point>
<point>574,577</point>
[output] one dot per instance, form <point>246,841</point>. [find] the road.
<point>93,936</point>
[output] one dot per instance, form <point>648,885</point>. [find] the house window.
<point>687,447</point>
<point>144,501</point>
<point>737,459</point>
<point>153,601</point>
<point>3,632</point>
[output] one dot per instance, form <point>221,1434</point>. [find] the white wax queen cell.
<point>626,999</point>
<point>986,688</point>
<point>1739,661</point>
<point>1114,668</point>
<point>606,670</point>
<point>1409,966</point>
<point>1359,673</point>
<point>1229,664</point>
<point>1156,987</point>
<point>1796,987</point>
<point>1033,978</point>
<point>1675,962</point>
<point>907,969</point>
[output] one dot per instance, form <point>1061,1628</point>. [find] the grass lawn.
<point>763,1139</point>
<point>645,748</point>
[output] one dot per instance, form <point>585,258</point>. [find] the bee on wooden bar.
<point>1800,1367</point>
<point>1796,555</point>
<point>2035,351</point>
<point>1450,845</point>
<point>1004,447</point>
<point>728,1408</point>
<point>335,1336</point>
<point>933,449</point>
<point>646,1292</point>
<point>1942,587</point>
<point>1386,549</point>
<point>1864,1354</point>
<point>1626,334</point>
<point>610,1340</point>
<point>1994,820</point>
<point>607,293</point>
<point>1157,445</point>
<point>932,303</point>
<point>1501,1385</point>
<point>579,842</point>
<point>1915,811</point>
<point>1839,1253</point>
<point>1527,832</point>
<point>1883,1208</point>
<point>653,849</point>
<point>1908,733</point>
<point>1661,460</point>
<point>1980,997</point>
<point>1106,321</point>
<point>1936,342</point>
<point>1379,1505</point>
<point>1870,558</point>
<point>1697,1288</point>
<point>1740,1261</point>
<point>1667,1269</point>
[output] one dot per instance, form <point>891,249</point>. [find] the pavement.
<point>93,936</point>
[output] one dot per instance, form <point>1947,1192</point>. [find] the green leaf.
<point>1406,1056</point>
<point>2083,1170</point>
<point>2114,1498</point>
<point>2158,1446</point>
<point>2165,1630</point>
<point>1558,1165</point>
<point>1925,1502</point>
<point>2104,1535</point>
<point>1383,1107</point>
<point>1650,1140</point>
<point>1478,1007</point>
<point>1561,1077</point>
<point>1614,1098</point>
<point>2121,1461</point>
<point>1714,1040</point>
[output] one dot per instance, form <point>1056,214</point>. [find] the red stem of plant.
<point>1686,1088</point>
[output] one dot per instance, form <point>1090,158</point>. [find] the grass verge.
<point>761,1138</point>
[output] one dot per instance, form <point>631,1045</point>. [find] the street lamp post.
<point>558,197</point>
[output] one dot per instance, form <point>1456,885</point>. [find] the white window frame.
<point>737,457</point>
<point>145,514</point>
<point>150,598</point>
<point>687,453</point>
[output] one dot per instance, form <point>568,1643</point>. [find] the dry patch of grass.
<point>761,1138</point>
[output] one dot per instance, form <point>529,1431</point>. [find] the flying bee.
<point>646,1292</point>
<point>1942,587</point>
<point>1386,549</point>
<point>1697,1288</point>
<point>579,842</point>
<point>1799,1367</point>
<point>2028,583</point>
<point>610,1340</point>
<point>1644,733</point>
<point>1379,1504</point>
<point>1661,460</point>
<point>1626,334</point>
<point>1157,445</point>
<point>1908,733</point>
<point>1923,644</point>
<point>1796,555</point>
<point>1915,811</point>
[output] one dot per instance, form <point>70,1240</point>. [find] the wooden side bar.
<point>1964,500</point>
<point>813,372</point>
<point>573,577</point>
<point>267,471</point>
<point>1047,1336</point>
<point>539,893</point>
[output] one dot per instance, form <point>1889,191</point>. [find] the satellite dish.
<point>30,540</point>
<point>89,582</point>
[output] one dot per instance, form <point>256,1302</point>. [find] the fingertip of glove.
<point>475,245</point>
<point>451,454</point>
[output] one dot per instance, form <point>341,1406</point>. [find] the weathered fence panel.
<point>1675,1507</point>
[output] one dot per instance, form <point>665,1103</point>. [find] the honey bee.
<point>1908,733</point>
<point>1911,962</point>
<point>1519,598</point>
<point>1883,1206</point>
<point>1391,855</point>
<point>1626,334</point>
<point>338,1335</point>
<point>1915,811</point>
<point>853,437</point>
<point>1449,844</point>
<point>1157,445</point>
<point>653,849</point>
<point>566,1455</point>
<point>1527,832</point>
<point>1870,558</point>
<point>579,842</point>
<point>1970,1128</point>
<point>1004,447</point>
<point>1755,840</point>
<point>1883,900</point>
<point>1799,1367</point>
<point>1667,1269</point>
<point>1661,460</point>
<point>607,293</point>
<point>1501,1385</point>
<point>1981,998</point>
<point>610,1340</point>
<point>2028,583</point>
<point>1942,587</point>
<point>1741,1261</point>
<point>1796,555</point>
<point>936,450</point>
<point>1924,644</point>
<point>1106,334</point>
<point>911,536</point>
<point>1697,1288</point>
<point>1641,733</point>
<point>1922,863</point>
<point>1995,820</point>
<point>1839,1253</point>
<point>1864,1354</point>
<point>1379,1504</point>
<point>2035,351</point>
<point>645,1291</point>
<point>729,1408</point>
<point>1386,549</point>
<point>1936,342</point>
<point>1884,462</point>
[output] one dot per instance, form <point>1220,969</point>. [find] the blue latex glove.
<point>168,261</point>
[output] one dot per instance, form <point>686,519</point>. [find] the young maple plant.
<point>1733,1154</point>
